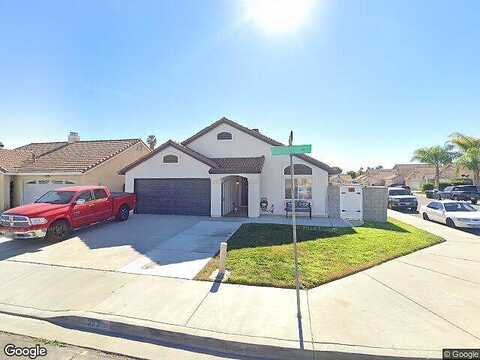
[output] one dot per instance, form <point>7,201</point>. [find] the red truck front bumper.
<point>22,233</point>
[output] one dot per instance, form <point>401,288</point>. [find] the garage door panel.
<point>173,196</point>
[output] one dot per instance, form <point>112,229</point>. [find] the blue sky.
<point>366,82</point>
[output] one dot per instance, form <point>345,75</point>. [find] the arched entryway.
<point>235,196</point>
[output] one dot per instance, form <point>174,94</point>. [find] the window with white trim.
<point>224,135</point>
<point>170,159</point>
<point>302,182</point>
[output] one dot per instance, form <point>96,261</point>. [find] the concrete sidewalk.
<point>409,307</point>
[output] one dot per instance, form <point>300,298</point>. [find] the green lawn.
<point>262,254</point>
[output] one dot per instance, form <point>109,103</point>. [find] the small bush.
<point>427,186</point>
<point>462,182</point>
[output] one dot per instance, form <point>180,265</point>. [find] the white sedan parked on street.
<point>453,213</point>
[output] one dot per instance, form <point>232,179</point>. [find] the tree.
<point>152,141</point>
<point>469,156</point>
<point>352,174</point>
<point>1,145</point>
<point>437,156</point>
<point>379,167</point>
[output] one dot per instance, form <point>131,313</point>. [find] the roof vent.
<point>256,130</point>
<point>73,137</point>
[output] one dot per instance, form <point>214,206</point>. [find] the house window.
<point>224,136</point>
<point>303,188</point>
<point>170,159</point>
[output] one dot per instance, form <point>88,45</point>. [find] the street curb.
<point>132,329</point>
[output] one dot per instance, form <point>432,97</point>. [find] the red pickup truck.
<point>55,214</point>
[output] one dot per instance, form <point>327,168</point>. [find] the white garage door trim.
<point>33,189</point>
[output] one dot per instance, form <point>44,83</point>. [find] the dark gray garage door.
<point>173,196</point>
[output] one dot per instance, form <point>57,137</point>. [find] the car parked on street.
<point>57,212</point>
<point>460,192</point>
<point>452,213</point>
<point>431,194</point>
<point>400,198</point>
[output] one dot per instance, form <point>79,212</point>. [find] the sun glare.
<point>278,15</point>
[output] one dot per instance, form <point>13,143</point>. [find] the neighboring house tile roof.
<point>342,179</point>
<point>42,148</point>
<point>243,165</point>
<point>260,136</point>
<point>77,157</point>
<point>12,159</point>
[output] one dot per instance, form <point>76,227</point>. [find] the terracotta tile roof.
<point>243,165</point>
<point>260,136</point>
<point>12,159</point>
<point>79,156</point>
<point>42,148</point>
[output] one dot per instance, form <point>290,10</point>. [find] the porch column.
<point>254,195</point>
<point>216,197</point>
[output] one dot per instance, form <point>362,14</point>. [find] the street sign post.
<point>292,150</point>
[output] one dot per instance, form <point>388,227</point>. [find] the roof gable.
<point>170,143</point>
<point>258,135</point>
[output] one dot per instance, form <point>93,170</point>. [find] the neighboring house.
<point>413,175</point>
<point>31,170</point>
<point>224,169</point>
<point>375,177</point>
<point>342,179</point>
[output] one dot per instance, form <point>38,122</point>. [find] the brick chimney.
<point>73,137</point>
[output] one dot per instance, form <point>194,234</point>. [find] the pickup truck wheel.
<point>123,213</point>
<point>58,231</point>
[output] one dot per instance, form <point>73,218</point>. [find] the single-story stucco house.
<point>224,169</point>
<point>31,170</point>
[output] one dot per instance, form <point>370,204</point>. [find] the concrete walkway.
<point>409,307</point>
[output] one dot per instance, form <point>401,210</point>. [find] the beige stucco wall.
<point>4,192</point>
<point>107,173</point>
<point>104,174</point>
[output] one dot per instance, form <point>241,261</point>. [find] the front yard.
<point>262,254</point>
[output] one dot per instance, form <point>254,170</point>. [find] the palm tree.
<point>437,156</point>
<point>469,158</point>
<point>152,141</point>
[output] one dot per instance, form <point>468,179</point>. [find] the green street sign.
<point>293,149</point>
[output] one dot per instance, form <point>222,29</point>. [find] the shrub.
<point>427,186</point>
<point>462,181</point>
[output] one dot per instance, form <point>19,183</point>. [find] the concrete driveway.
<point>176,246</point>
